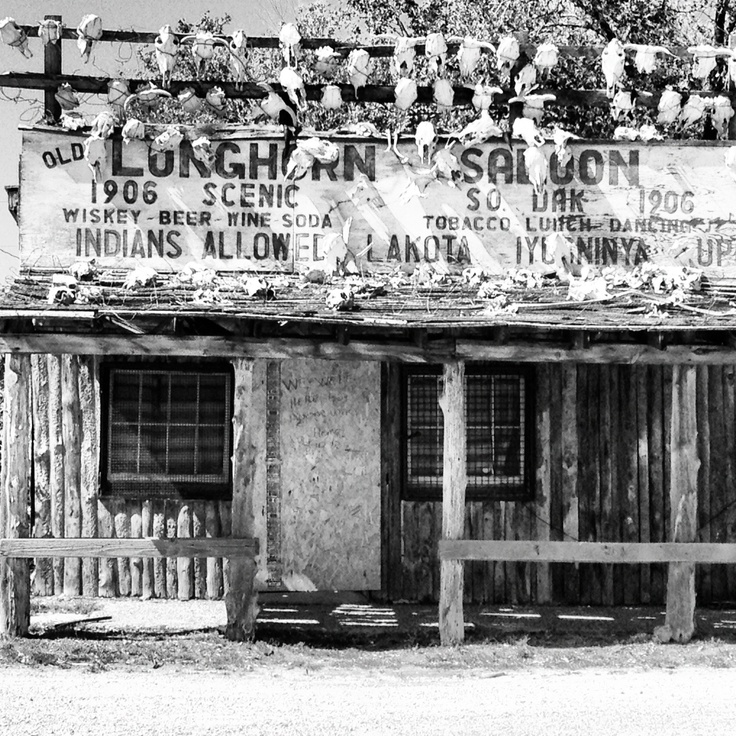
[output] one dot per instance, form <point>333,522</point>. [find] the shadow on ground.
<point>353,621</point>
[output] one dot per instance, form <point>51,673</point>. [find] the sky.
<point>22,107</point>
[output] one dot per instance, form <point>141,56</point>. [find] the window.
<point>498,413</point>
<point>167,430</point>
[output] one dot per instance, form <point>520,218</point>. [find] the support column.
<point>454,480</point>
<point>241,597</point>
<point>680,617</point>
<point>15,493</point>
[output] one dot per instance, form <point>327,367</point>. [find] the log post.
<point>241,597</point>
<point>15,522</point>
<point>57,469</point>
<point>454,480</point>
<point>51,67</point>
<point>71,432</point>
<point>680,616</point>
<point>43,580</point>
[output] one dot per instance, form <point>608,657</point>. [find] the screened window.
<point>497,405</point>
<point>168,431</point>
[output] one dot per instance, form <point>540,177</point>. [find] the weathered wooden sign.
<point>615,204</point>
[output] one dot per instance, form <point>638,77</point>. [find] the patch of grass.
<point>80,606</point>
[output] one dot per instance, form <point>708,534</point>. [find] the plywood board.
<point>330,501</point>
<point>615,203</point>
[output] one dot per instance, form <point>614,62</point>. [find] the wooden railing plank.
<point>606,552</point>
<point>129,548</point>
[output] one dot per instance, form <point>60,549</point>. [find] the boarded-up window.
<point>498,405</point>
<point>168,431</point>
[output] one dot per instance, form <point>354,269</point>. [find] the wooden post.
<point>43,580</point>
<point>52,67</point>
<point>57,471</point>
<point>15,579</point>
<point>89,466</point>
<point>391,584</point>
<point>680,617</point>
<point>454,480</point>
<point>241,597</point>
<point>71,427</point>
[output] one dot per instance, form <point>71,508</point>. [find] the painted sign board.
<point>615,204</point>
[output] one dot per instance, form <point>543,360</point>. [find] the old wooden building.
<point>184,336</point>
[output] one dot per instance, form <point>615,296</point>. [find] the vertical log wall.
<point>602,475</point>
<point>66,456</point>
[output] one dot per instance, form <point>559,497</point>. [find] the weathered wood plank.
<point>544,470</point>
<point>107,586</point>
<point>630,553</point>
<point>43,579</point>
<point>556,523</point>
<point>391,568</point>
<point>593,491</point>
<point>704,476</point>
<point>56,477</point>
<point>121,520</point>
<point>15,522</point>
<point>642,434</point>
<point>454,482</point>
<point>525,573</point>
<point>72,439</point>
<point>440,351</point>
<point>214,564</point>
<point>729,418</point>
<point>608,477</point>
<point>426,513</point>
<point>499,568</point>
<point>150,548</point>
<point>171,516</point>
<point>89,465</point>
<point>586,440</point>
<point>133,510</point>
<point>410,551</point>
<point>680,615</point>
<point>200,563</point>
<point>184,566</point>
<point>147,585</point>
<point>618,492</point>
<point>628,478</point>
<point>488,567</point>
<point>511,571</point>
<point>717,475</point>
<point>656,474</point>
<point>159,532</point>
<point>241,598</point>
<point>225,509</point>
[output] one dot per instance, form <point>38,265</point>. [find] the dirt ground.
<point>314,632</point>
<point>321,667</point>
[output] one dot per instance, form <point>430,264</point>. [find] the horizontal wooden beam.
<point>613,552</point>
<point>343,47</point>
<point>223,347</point>
<point>68,547</point>
<point>434,351</point>
<point>608,353</point>
<point>369,93</point>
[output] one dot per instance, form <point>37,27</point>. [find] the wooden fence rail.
<point>606,552</point>
<point>239,600</point>
<point>679,623</point>
<point>142,547</point>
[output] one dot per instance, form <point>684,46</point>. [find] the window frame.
<point>499,491</point>
<point>145,486</point>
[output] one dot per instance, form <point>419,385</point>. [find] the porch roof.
<point>380,305</point>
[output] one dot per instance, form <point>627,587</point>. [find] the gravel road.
<point>163,702</point>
